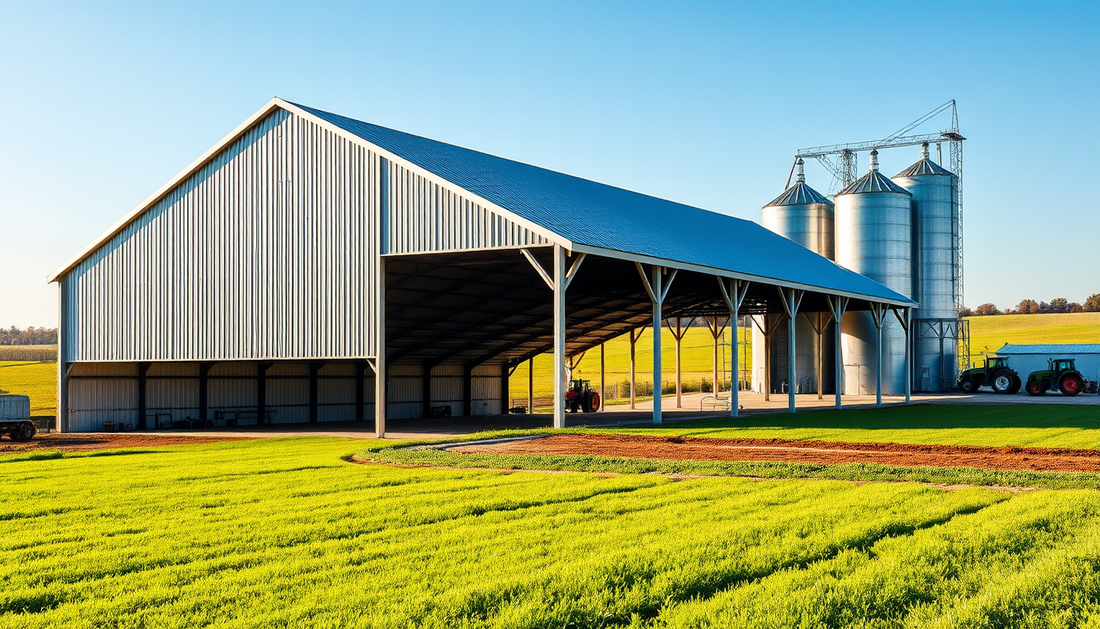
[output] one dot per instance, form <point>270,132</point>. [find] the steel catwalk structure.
<point>311,267</point>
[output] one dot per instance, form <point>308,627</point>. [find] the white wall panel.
<point>94,401</point>
<point>265,252</point>
<point>424,217</point>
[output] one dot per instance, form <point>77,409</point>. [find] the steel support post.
<point>714,359</point>
<point>204,369</point>
<point>313,369</point>
<point>733,293</point>
<point>878,316</point>
<point>792,299</point>
<point>837,306</point>
<point>559,336</point>
<point>505,397</point>
<point>382,246</point>
<point>531,385</point>
<point>657,289</point>
<point>633,365</point>
<point>906,321</point>
<point>679,382</point>
<point>143,389</point>
<point>468,390</point>
<point>603,378</point>
<point>426,390</point>
<point>261,391</point>
<point>360,394</point>
<point>657,272</point>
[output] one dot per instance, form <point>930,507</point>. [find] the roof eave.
<point>698,268</point>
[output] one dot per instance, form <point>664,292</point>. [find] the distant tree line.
<point>1030,306</point>
<point>30,336</point>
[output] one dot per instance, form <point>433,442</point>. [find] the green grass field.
<point>994,425</point>
<point>286,533</point>
<point>36,379</point>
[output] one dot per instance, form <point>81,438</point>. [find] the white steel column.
<point>603,379</point>
<point>382,246</point>
<point>559,337</point>
<point>819,322</point>
<point>531,384</point>
<point>678,334</point>
<point>657,371</point>
<point>714,334</point>
<point>558,281</point>
<point>837,306</point>
<point>733,294</point>
<point>634,336</point>
<point>792,299</point>
<point>878,316</point>
<point>905,321</point>
<point>657,290</point>
<point>61,423</point>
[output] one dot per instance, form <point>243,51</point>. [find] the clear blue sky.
<point>702,103</point>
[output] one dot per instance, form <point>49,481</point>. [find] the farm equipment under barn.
<point>581,396</point>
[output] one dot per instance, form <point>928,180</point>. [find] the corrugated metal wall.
<point>424,217</point>
<point>108,392</point>
<point>266,252</point>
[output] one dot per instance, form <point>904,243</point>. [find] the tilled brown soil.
<point>101,441</point>
<point>817,452</point>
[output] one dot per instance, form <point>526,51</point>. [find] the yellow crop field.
<point>38,380</point>
<point>988,334</point>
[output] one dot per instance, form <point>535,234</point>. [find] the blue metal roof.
<point>1051,349</point>
<point>598,215</point>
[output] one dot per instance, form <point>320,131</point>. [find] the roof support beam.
<point>878,317</point>
<point>733,293</point>
<point>837,306</point>
<point>792,299</point>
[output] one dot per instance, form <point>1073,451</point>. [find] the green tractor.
<point>996,374</point>
<point>1061,375</point>
<point>580,396</point>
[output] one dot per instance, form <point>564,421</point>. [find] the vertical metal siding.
<point>266,252</point>
<point>424,217</point>
<point>93,402</point>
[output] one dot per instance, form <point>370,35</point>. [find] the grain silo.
<point>874,239</point>
<point>935,193</point>
<point>805,216</point>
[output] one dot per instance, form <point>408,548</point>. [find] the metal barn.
<point>312,268</point>
<point>1028,358</point>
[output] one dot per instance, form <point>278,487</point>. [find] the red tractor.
<point>580,396</point>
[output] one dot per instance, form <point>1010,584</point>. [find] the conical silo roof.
<point>799,193</point>
<point>924,166</point>
<point>873,181</point>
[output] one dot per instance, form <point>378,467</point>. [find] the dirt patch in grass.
<point>101,441</point>
<point>814,452</point>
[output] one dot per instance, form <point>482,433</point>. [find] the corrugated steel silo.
<point>874,238</point>
<point>935,200</point>
<point>805,216</point>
